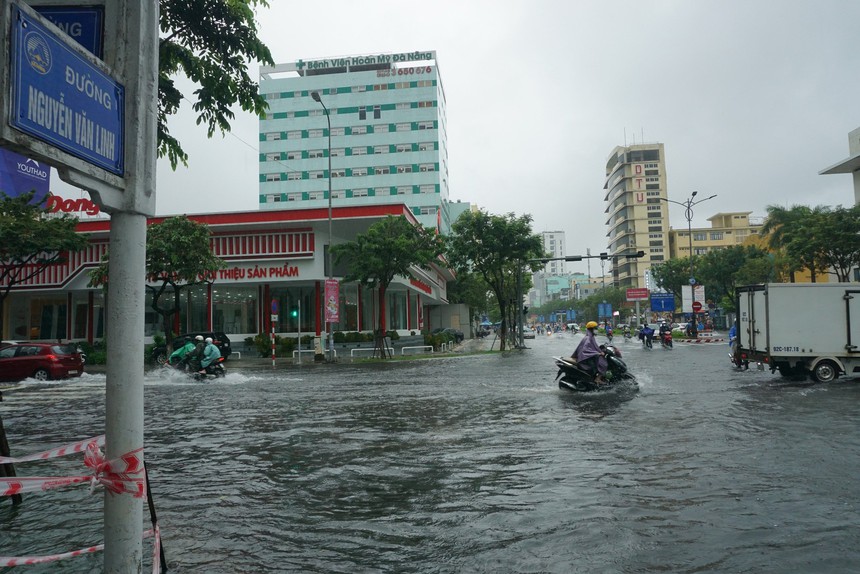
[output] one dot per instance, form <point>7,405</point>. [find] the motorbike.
<point>647,337</point>
<point>666,339</point>
<point>572,377</point>
<point>214,370</point>
<point>739,361</point>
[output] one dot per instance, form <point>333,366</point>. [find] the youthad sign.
<point>20,175</point>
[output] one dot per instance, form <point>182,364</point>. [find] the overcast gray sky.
<point>750,98</point>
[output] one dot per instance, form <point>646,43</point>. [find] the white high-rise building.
<point>388,134</point>
<point>553,243</point>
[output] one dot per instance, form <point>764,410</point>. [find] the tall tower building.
<point>553,243</point>
<point>636,216</point>
<point>388,134</point>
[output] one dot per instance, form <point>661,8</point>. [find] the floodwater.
<point>468,464</point>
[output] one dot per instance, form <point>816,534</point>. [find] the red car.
<point>40,361</point>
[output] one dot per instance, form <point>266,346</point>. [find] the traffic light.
<point>525,310</point>
<point>294,312</point>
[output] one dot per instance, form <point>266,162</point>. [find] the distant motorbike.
<point>572,377</point>
<point>666,339</point>
<point>646,335</point>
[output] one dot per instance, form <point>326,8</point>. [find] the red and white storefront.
<point>271,256</point>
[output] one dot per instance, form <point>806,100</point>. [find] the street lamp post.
<point>688,214</point>
<point>316,96</point>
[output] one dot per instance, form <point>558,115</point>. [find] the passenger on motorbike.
<point>589,355</point>
<point>646,335</point>
<point>194,357</point>
<point>211,353</point>
<point>181,355</point>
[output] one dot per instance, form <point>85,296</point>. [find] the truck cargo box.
<point>801,328</point>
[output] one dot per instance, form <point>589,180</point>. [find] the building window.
<point>716,236</point>
<point>427,189</point>
<point>700,250</point>
<point>428,210</point>
<point>316,174</point>
<point>356,89</point>
<point>656,250</point>
<point>425,125</point>
<point>380,149</point>
<point>315,112</point>
<point>316,195</point>
<point>273,177</point>
<point>403,106</point>
<point>294,197</point>
<point>425,104</point>
<point>338,131</point>
<point>315,133</point>
<point>652,186</point>
<point>294,175</point>
<point>425,146</point>
<point>404,127</point>
<point>316,153</point>
<point>404,169</point>
<point>401,85</point>
<point>655,236</point>
<point>377,112</point>
<point>404,190</point>
<point>382,170</point>
<point>358,130</point>
<point>380,129</point>
<point>360,150</point>
<point>275,96</point>
<point>273,136</point>
<point>402,148</point>
<point>377,87</point>
<point>359,171</point>
<point>699,236</point>
<point>294,135</point>
<point>359,192</point>
<point>653,208</point>
<point>273,198</point>
<point>425,83</point>
<point>362,114</point>
<point>338,172</point>
<point>655,222</point>
<point>338,152</point>
<point>273,156</point>
<point>427,167</point>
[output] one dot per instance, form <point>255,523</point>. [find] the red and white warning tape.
<point>124,474</point>
<point>30,560</point>
<point>121,475</point>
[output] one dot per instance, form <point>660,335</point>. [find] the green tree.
<point>178,257</point>
<point>671,275</point>
<point>723,270</point>
<point>390,248</point>
<point>210,42</point>
<point>836,234</point>
<point>469,289</point>
<point>790,231</point>
<point>497,248</point>
<point>31,241</point>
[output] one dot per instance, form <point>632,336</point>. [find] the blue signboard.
<point>662,302</point>
<point>61,98</point>
<point>604,310</point>
<point>20,175</point>
<point>84,24</point>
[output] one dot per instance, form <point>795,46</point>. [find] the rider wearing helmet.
<point>589,355</point>
<point>210,354</point>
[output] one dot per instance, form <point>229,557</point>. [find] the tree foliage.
<point>390,248</point>
<point>178,256</point>
<point>497,248</point>
<point>722,270</point>
<point>469,289</point>
<point>672,275</point>
<point>31,241</point>
<point>210,42</point>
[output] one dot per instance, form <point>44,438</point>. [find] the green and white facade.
<point>388,135</point>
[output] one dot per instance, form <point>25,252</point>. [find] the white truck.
<point>801,329</point>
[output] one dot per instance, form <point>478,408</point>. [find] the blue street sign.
<point>84,24</point>
<point>604,310</point>
<point>61,98</point>
<point>662,302</point>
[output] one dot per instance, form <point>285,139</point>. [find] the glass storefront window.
<point>291,299</point>
<point>348,307</point>
<point>396,312</point>
<point>234,309</point>
<point>33,318</point>
<point>368,309</point>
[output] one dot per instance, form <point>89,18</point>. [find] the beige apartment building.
<point>726,229</point>
<point>636,213</point>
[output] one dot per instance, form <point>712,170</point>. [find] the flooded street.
<point>467,464</point>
